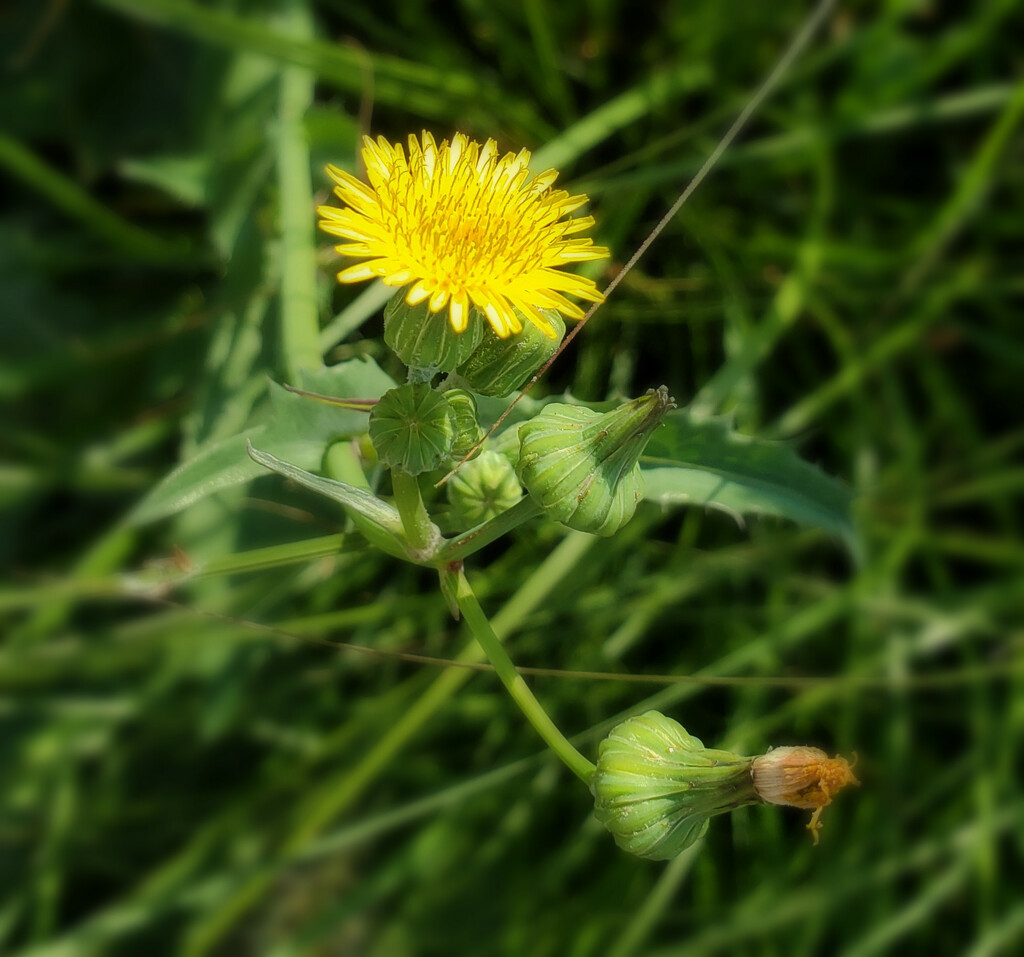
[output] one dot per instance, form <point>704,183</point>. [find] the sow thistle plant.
<point>476,246</point>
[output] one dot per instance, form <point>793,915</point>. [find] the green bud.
<point>656,786</point>
<point>582,466</point>
<point>506,443</point>
<point>482,489</point>
<point>468,433</point>
<point>412,428</point>
<point>500,366</point>
<point>426,340</point>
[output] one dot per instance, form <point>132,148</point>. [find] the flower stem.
<point>514,683</point>
<point>346,785</point>
<point>476,538</point>
<point>420,531</point>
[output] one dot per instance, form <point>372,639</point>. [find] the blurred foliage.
<point>177,779</point>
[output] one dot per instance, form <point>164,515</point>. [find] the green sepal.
<point>500,366</point>
<point>425,340</point>
<point>412,428</point>
<point>656,786</point>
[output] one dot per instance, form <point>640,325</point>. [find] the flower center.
<point>467,227</point>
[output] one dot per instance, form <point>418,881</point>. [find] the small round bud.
<point>482,489</point>
<point>412,428</point>
<point>500,366</point>
<point>801,777</point>
<point>656,786</point>
<point>426,340</point>
<point>581,466</point>
<point>468,433</point>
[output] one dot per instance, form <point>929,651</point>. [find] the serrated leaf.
<point>701,461</point>
<point>387,533</point>
<point>298,430</point>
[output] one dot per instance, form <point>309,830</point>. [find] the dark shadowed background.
<point>848,281</point>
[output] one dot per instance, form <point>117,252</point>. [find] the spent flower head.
<point>463,226</point>
<point>801,777</point>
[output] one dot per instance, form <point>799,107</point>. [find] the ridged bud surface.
<point>412,428</point>
<point>581,466</point>
<point>426,340</point>
<point>482,489</point>
<point>656,786</point>
<point>468,433</point>
<point>500,366</point>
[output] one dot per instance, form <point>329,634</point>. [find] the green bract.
<point>412,428</point>
<point>656,786</point>
<point>500,366</point>
<point>426,340</point>
<point>468,433</point>
<point>581,466</point>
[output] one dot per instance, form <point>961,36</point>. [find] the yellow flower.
<point>463,227</point>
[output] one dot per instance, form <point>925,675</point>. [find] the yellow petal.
<point>458,313</point>
<point>359,273</point>
<point>417,293</point>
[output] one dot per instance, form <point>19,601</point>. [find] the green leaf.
<point>702,461</point>
<point>183,177</point>
<point>298,429</point>
<point>385,524</point>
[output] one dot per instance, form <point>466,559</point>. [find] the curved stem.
<point>514,683</point>
<point>340,791</point>
<point>419,529</point>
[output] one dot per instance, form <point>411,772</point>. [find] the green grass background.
<point>849,281</point>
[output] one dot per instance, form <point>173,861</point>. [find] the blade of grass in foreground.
<point>300,333</point>
<point>127,238</point>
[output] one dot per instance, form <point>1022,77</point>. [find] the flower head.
<point>463,227</point>
<point>801,777</point>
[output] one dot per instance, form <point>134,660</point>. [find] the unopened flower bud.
<point>801,777</point>
<point>482,489</point>
<point>468,433</point>
<point>426,340</point>
<point>506,444</point>
<point>500,366</point>
<point>582,466</point>
<point>412,428</point>
<point>656,786</point>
